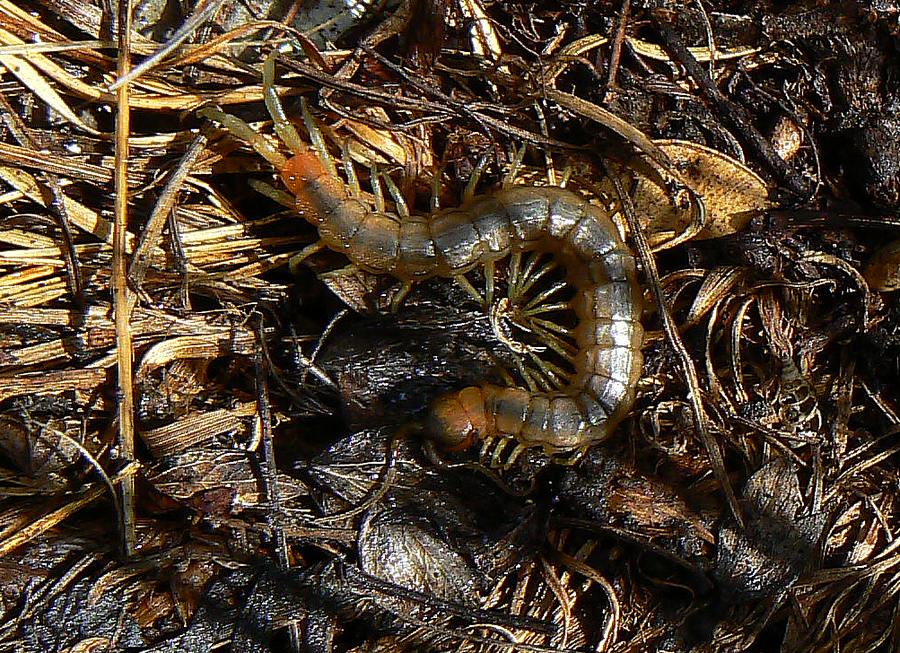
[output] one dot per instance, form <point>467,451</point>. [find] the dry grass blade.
<point>193,431</point>
<point>81,216</point>
<point>32,79</point>
<point>121,303</point>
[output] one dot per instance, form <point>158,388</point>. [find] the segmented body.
<point>451,242</point>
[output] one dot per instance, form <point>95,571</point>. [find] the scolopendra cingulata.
<point>484,229</point>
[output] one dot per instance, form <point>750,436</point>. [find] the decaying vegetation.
<point>204,445</point>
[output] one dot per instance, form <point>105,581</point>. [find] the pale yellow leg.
<point>305,253</point>
<point>466,285</point>
<point>285,199</point>
<point>400,295</point>
<point>488,283</point>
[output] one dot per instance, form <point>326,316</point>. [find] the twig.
<point>120,281</point>
<point>616,54</point>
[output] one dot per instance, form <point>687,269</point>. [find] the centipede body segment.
<point>450,242</point>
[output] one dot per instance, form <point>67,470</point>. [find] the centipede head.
<point>302,169</point>
<point>314,188</point>
<point>457,420</point>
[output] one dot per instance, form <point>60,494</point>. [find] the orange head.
<point>456,420</point>
<point>314,188</point>
<point>301,170</point>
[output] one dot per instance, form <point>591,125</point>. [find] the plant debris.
<point>211,427</point>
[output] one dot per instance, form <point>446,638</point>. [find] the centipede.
<point>450,242</point>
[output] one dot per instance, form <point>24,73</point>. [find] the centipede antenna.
<point>283,127</point>
<point>396,195</point>
<point>377,190</point>
<point>246,133</point>
<point>474,178</point>
<point>509,179</point>
<point>350,170</point>
<point>316,138</point>
<point>276,194</point>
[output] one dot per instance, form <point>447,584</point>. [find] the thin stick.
<point>120,283</point>
<point>616,55</point>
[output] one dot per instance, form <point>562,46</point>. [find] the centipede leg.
<point>474,178</point>
<point>435,190</point>
<point>489,283</point>
<point>466,285</point>
<point>397,196</point>
<point>526,374</point>
<point>275,194</point>
<point>544,329</point>
<point>316,138</point>
<point>509,179</point>
<point>377,191</point>
<point>487,444</point>
<point>501,460</point>
<point>350,171</point>
<point>497,453</point>
<point>548,377</point>
<point>515,266</point>
<point>400,295</point>
<point>514,455</point>
<point>305,253</point>
<point>569,458</point>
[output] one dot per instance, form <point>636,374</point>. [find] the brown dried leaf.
<point>731,193</point>
<point>230,476</point>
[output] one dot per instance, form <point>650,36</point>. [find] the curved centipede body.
<point>451,242</point>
